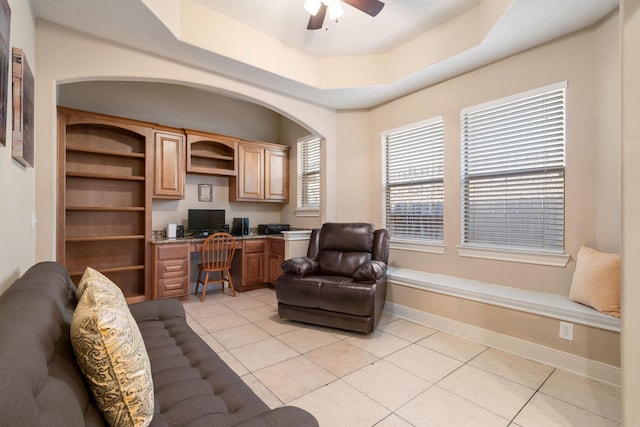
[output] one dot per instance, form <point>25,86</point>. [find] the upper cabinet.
<point>211,154</point>
<point>169,164</point>
<point>263,173</point>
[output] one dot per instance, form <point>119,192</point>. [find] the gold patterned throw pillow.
<point>111,353</point>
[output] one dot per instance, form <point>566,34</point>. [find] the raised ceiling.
<point>358,62</point>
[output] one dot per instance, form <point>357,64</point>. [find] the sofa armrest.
<point>284,416</point>
<point>300,266</point>
<point>372,270</point>
<point>157,310</point>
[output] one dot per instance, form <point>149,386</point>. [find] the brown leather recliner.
<point>342,282</point>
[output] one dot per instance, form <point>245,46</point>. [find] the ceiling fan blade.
<point>370,7</point>
<point>316,22</point>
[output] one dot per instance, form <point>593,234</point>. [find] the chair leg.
<point>233,289</point>
<point>198,282</point>
<point>204,289</point>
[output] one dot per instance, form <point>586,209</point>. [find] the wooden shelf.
<point>115,269</point>
<point>104,238</point>
<point>107,152</point>
<point>106,208</point>
<point>211,156</point>
<point>105,176</point>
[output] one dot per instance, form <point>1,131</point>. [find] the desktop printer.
<point>272,228</point>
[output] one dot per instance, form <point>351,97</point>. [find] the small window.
<point>309,174</point>
<point>513,168</point>
<point>413,175</point>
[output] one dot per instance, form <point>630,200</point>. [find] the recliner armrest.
<point>372,270</point>
<point>300,266</point>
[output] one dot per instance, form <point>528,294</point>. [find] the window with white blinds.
<point>513,164</point>
<point>413,175</point>
<point>309,173</point>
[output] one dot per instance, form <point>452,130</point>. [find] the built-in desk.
<point>255,257</point>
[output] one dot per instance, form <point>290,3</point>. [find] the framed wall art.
<point>23,96</point>
<point>5,30</point>
<point>205,193</point>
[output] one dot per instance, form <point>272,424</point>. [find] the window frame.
<point>303,208</point>
<point>506,251</point>
<point>431,183</point>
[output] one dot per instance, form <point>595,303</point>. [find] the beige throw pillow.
<point>596,281</point>
<point>111,353</point>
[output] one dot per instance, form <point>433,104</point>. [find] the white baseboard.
<point>549,356</point>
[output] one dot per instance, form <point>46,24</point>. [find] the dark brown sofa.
<point>342,282</point>
<point>42,385</point>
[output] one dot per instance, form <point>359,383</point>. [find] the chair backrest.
<point>341,247</point>
<point>218,251</point>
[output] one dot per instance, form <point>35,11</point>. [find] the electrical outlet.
<point>566,331</point>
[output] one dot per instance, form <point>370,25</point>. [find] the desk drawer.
<point>171,251</point>
<point>173,287</point>
<point>173,268</point>
<point>254,246</point>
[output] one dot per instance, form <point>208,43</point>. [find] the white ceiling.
<point>523,25</point>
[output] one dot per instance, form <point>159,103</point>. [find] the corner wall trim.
<point>540,303</point>
<point>549,356</point>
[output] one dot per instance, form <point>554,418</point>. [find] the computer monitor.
<point>203,222</point>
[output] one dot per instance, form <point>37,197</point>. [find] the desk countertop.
<point>164,241</point>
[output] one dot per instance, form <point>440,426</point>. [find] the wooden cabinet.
<point>211,154</point>
<point>275,259</point>
<point>263,173</point>
<point>248,269</point>
<point>104,199</point>
<point>169,165</point>
<point>171,270</point>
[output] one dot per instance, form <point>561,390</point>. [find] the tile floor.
<point>403,374</point>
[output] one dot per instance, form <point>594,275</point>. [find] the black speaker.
<point>180,231</point>
<point>240,227</point>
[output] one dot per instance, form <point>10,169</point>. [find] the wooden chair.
<point>217,255</point>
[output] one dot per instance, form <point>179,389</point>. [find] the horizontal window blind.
<point>309,173</point>
<point>513,160</point>
<point>413,181</point>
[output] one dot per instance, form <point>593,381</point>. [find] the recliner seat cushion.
<point>332,293</point>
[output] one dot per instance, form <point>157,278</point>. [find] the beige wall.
<point>630,35</point>
<point>17,183</point>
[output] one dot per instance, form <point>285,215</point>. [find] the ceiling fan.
<point>318,10</point>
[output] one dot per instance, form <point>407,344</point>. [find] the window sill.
<point>308,212</point>
<point>539,258</point>
<point>416,246</point>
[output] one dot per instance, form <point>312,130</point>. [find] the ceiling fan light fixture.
<point>312,6</point>
<point>334,8</point>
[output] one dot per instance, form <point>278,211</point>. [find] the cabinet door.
<point>169,166</point>
<point>276,257</point>
<point>276,175</point>
<point>250,173</point>
<point>254,271</point>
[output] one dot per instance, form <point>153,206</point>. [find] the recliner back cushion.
<point>341,263</point>
<point>351,237</point>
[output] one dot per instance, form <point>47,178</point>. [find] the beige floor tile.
<point>246,303</point>
<point>240,335</point>
<point>341,358</point>
<point>233,363</point>
<point>498,395</point>
<point>197,328</point>
<point>256,314</point>
<point>277,326</point>
<point>458,348</point>
<point>547,411</point>
<point>438,407</point>
<point>409,331</point>
<point>223,321</point>
<point>213,343</point>
<point>209,309</point>
<point>338,404</point>
<point>424,363</point>
<point>523,371</point>
<point>393,421</point>
<point>293,378</point>
<point>387,384</point>
<point>386,318</point>
<point>594,396</point>
<point>263,353</point>
<point>262,391</point>
<point>306,339</point>
<point>378,343</point>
